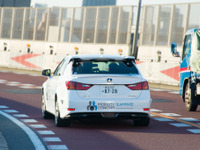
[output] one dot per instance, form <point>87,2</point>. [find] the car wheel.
<point>45,113</point>
<point>142,122</point>
<point>59,122</point>
<point>189,99</point>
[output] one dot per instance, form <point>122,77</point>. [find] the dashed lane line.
<point>33,137</point>
<point>38,126</point>
<point>52,139</point>
<point>20,85</point>
<point>9,113</point>
<point>180,125</point>
<point>57,147</point>
<point>176,119</point>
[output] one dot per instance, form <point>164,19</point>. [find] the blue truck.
<point>190,69</point>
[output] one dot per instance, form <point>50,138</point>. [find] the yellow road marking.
<point>176,119</point>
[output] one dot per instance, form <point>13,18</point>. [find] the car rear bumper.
<point>108,115</point>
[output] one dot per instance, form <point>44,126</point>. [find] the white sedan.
<point>96,86</point>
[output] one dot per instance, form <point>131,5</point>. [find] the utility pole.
<point>2,4</point>
<point>135,39</point>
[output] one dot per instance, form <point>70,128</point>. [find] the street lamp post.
<point>2,3</point>
<point>134,47</point>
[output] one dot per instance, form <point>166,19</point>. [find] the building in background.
<point>98,2</point>
<point>15,3</point>
<point>39,5</point>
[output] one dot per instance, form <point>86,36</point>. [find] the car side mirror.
<point>46,72</point>
<point>174,51</point>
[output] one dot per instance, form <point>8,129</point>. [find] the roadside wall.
<point>157,64</point>
<point>156,68</point>
<point>35,55</point>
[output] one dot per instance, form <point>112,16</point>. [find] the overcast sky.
<point>78,3</point>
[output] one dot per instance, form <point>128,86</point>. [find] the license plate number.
<point>109,90</point>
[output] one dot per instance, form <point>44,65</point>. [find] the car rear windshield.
<point>104,67</point>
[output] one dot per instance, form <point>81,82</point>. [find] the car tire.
<point>45,113</point>
<point>189,99</point>
<point>59,122</point>
<point>142,122</point>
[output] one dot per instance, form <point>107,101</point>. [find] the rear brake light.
<point>71,85</point>
<point>146,109</point>
<point>138,86</point>
<point>71,109</point>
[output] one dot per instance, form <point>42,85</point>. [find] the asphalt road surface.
<point>171,127</point>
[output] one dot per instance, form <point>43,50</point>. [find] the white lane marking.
<point>163,119</point>
<point>38,126</point>
<point>3,107</point>
<point>196,131</point>
<point>174,92</point>
<point>36,144</point>
<point>33,137</point>
<point>20,85</point>
<point>158,90</point>
<point>27,84</point>
<point>21,115</point>
<point>11,111</point>
<point>11,84</point>
<point>46,132</point>
<point>57,147</point>
<point>52,139</point>
<point>180,125</point>
<point>170,114</point>
<point>25,87</point>
<point>156,110</point>
<point>2,81</point>
<point>29,120</point>
<point>189,119</point>
<point>35,75</point>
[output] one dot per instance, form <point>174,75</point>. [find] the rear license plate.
<point>108,115</point>
<point>109,90</point>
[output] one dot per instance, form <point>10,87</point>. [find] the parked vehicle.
<point>190,70</point>
<point>96,86</point>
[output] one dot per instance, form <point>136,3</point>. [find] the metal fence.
<point>163,24</point>
<point>109,25</point>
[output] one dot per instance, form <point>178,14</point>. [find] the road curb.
<point>164,86</point>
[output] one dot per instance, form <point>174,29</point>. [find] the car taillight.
<point>71,85</point>
<point>138,86</point>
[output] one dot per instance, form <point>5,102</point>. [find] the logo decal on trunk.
<point>92,106</point>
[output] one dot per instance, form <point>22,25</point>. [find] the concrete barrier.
<point>163,69</point>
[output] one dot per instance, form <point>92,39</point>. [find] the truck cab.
<point>190,70</point>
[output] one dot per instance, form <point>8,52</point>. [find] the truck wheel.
<point>189,99</point>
